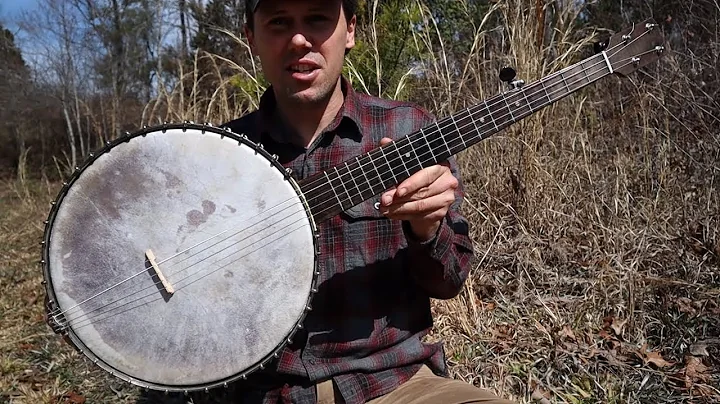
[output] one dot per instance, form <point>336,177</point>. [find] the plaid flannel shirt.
<point>372,308</point>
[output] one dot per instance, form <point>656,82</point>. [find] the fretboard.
<point>361,178</point>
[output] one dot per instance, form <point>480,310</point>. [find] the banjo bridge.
<point>156,268</point>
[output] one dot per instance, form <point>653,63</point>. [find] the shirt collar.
<point>270,123</point>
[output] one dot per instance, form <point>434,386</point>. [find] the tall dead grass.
<point>595,221</point>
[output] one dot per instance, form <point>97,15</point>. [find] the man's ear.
<point>250,35</point>
<point>350,41</point>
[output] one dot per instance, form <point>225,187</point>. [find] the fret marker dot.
<point>517,103</point>
<point>407,155</point>
<point>482,120</point>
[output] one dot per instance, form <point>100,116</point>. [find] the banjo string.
<point>280,204</point>
<point>87,320</point>
<point>67,312</point>
<point>443,123</point>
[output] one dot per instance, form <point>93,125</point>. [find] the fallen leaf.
<point>540,395</point>
<point>567,332</point>
<point>74,398</point>
<point>695,371</point>
<point>699,349</point>
<point>605,335</point>
<point>618,325</point>
<point>656,359</point>
<point>685,306</point>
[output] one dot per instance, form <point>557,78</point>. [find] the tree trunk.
<point>71,137</point>
<point>182,6</point>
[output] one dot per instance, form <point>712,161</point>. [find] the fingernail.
<point>386,199</point>
<point>401,192</point>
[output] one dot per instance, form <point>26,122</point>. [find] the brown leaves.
<point>567,333</point>
<point>617,325</point>
<point>652,357</point>
<point>72,398</point>
<point>695,375</point>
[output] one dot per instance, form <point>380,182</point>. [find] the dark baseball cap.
<point>252,4</point>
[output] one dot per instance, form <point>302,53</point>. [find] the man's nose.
<point>300,41</point>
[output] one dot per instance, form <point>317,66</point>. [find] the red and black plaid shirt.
<point>372,308</point>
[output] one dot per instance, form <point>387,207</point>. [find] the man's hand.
<point>422,200</point>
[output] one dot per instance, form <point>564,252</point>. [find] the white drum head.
<point>230,234</point>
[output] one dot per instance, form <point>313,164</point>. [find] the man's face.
<point>301,45</point>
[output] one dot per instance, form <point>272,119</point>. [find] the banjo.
<point>159,272</point>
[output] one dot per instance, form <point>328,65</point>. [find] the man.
<point>382,260</point>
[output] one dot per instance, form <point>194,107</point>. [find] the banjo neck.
<point>359,179</point>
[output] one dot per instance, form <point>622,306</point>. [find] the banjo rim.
<point>60,326</point>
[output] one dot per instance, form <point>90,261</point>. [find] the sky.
<point>11,8</point>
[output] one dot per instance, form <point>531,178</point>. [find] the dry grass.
<point>596,224</point>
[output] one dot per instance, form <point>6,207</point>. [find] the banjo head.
<point>230,270</point>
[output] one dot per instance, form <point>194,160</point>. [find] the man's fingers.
<point>436,205</point>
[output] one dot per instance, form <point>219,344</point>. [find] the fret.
<point>350,171</point>
<point>542,84</point>
<point>562,76</point>
<point>491,116</point>
<point>430,148</point>
<point>402,160</point>
<point>382,181</point>
<point>582,66</point>
<point>444,140</point>
<point>337,172</point>
<point>459,132</point>
<point>372,189</point>
<point>332,188</point>
<point>530,107</point>
<point>417,156</point>
<point>512,118</point>
<point>472,119</point>
<point>382,151</point>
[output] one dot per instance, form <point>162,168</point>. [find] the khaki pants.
<point>423,388</point>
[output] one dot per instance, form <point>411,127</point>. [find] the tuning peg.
<point>600,46</point>
<point>507,74</point>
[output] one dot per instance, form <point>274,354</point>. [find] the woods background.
<point>595,221</point>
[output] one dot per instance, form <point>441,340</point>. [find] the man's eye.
<point>278,22</point>
<point>318,19</point>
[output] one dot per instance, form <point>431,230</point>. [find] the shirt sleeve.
<point>441,265</point>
